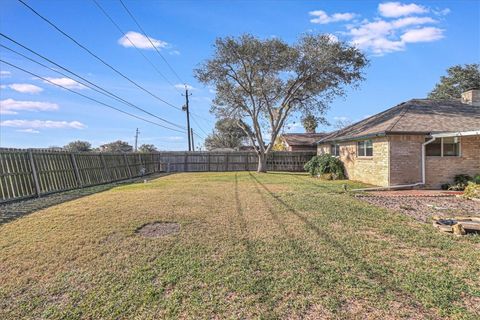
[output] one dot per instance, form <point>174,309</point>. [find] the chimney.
<point>471,97</point>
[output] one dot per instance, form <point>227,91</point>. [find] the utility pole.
<point>136,139</point>
<point>191,135</point>
<point>185,108</point>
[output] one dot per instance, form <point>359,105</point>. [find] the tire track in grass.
<point>369,272</point>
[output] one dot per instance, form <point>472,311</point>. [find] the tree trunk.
<point>262,162</point>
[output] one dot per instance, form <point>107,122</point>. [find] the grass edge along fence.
<point>29,173</point>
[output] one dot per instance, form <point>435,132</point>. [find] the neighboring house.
<point>301,141</point>
<point>420,142</point>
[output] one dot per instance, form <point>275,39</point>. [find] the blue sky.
<point>409,44</point>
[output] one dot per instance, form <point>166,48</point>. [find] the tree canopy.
<point>78,146</point>
<point>145,148</point>
<point>116,146</point>
<point>264,82</point>
<point>227,134</point>
<point>458,80</point>
<point>310,123</point>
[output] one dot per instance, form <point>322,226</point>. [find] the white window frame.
<point>365,148</point>
<point>441,148</point>
<point>335,147</point>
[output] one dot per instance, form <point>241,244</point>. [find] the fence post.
<point>107,173</point>
<point>126,164</point>
<point>185,162</point>
<point>75,169</point>
<point>209,161</point>
<point>34,173</point>
<point>247,167</point>
<point>226,162</point>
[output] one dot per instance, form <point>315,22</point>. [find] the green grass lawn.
<point>267,246</point>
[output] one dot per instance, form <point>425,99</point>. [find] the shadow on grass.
<point>337,246</point>
<point>13,210</point>
<point>259,282</point>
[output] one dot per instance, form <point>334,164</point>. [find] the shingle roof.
<point>421,116</point>
<point>302,139</point>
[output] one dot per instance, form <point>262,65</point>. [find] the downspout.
<point>405,185</point>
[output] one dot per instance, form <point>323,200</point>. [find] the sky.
<point>409,45</point>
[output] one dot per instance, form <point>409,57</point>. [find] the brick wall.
<point>406,159</point>
<point>397,160</point>
<point>441,170</point>
<point>373,170</point>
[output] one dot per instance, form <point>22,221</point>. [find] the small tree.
<point>146,148</point>
<point>227,134</point>
<point>78,146</point>
<point>116,146</point>
<point>458,80</point>
<point>263,82</point>
<point>310,123</point>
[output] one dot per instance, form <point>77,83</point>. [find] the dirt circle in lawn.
<point>158,229</point>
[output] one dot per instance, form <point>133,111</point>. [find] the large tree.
<point>116,146</point>
<point>227,134</point>
<point>458,80</point>
<point>263,82</point>
<point>310,123</point>
<point>146,148</point>
<point>78,146</point>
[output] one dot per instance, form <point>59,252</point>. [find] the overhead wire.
<point>90,84</point>
<point>96,56</point>
<point>87,97</point>
<point>155,47</point>
<point>133,44</point>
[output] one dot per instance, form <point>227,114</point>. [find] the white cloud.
<point>30,130</point>
<point>411,21</point>
<point>383,36</point>
<point>132,38</point>
<point>25,88</point>
<point>182,86</point>
<point>321,17</point>
<point>341,118</point>
<point>397,9</point>
<point>5,74</point>
<point>174,138</point>
<point>66,82</point>
<point>174,53</point>
<point>38,124</point>
<point>11,106</point>
<point>426,34</point>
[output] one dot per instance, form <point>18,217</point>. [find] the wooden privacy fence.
<point>233,161</point>
<point>33,173</point>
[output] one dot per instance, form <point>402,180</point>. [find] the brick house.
<point>301,141</point>
<point>418,143</point>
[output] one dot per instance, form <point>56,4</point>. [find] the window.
<point>443,147</point>
<point>365,148</point>
<point>335,150</point>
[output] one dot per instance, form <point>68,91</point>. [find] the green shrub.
<point>460,182</point>
<point>472,191</point>
<point>325,165</point>
<point>476,179</point>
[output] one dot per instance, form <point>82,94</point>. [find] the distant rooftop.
<point>302,139</point>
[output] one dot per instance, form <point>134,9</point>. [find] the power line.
<point>198,125</point>
<point>95,56</point>
<point>87,97</point>
<point>99,90</point>
<point>145,34</point>
<point>133,44</point>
